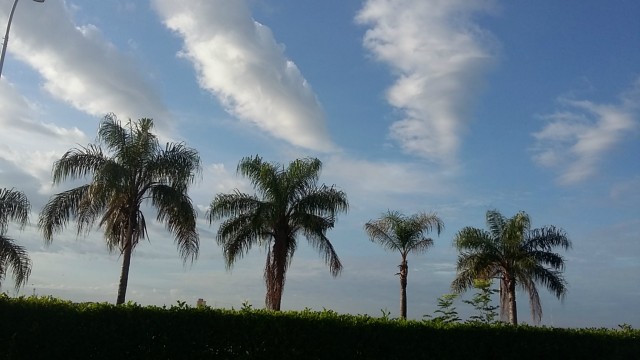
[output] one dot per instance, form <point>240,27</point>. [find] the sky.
<point>454,107</point>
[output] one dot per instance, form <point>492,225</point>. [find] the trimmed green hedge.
<point>47,328</point>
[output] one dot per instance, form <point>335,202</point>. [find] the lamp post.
<point>6,35</point>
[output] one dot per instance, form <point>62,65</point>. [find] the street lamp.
<point>6,35</point>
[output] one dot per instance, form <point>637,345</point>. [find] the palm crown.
<point>135,169</point>
<point>516,255</point>
<point>405,234</point>
<point>288,203</point>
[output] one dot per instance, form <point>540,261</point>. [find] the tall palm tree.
<point>516,255</point>
<point>404,234</point>
<point>288,203</point>
<point>14,206</point>
<point>135,169</point>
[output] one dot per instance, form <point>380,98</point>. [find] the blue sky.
<point>455,107</point>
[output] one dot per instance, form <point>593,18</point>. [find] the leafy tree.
<point>136,169</point>
<point>404,234</point>
<point>14,206</point>
<point>486,313</point>
<point>446,313</point>
<point>289,203</point>
<point>516,255</point>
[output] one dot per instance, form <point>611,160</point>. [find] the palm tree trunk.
<point>404,272</point>
<point>126,262</point>
<point>124,274</point>
<point>513,309</point>
<point>274,274</point>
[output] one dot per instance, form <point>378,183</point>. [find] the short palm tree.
<point>404,234</point>
<point>14,206</point>
<point>289,203</point>
<point>516,255</point>
<point>135,169</point>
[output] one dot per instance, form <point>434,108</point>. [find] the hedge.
<point>48,328</point>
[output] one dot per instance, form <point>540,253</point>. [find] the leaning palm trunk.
<point>126,263</point>
<point>124,275</point>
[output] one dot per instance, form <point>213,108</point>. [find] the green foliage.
<point>625,327</point>
<point>246,306</point>
<point>486,313</point>
<point>385,314</point>
<point>49,328</point>
<point>447,312</point>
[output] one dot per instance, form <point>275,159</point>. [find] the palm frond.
<point>378,231</point>
<point>177,212</point>
<point>14,256</point>
<point>59,210</point>
<point>322,201</point>
<point>315,231</point>
<point>301,176</point>
<point>529,286</point>
<point>78,163</point>
<point>547,238</point>
<point>426,223</point>
<point>176,165</point>
<point>421,246</point>
<point>228,205</point>
<point>14,206</point>
<point>475,240</point>
<point>495,222</point>
<point>265,178</point>
<point>114,135</point>
<point>237,235</point>
<point>552,280</point>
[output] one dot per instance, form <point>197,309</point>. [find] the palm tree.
<point>289,203</point>
<point>516,255</point>
<point>136,169</point>
<point>405,234</point>
<point>14,206</point>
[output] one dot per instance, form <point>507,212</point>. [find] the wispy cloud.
<point>577,138</point>
<point>239,61</point>
<point>439,56</point>
<point>27,144</point>
<point>79,65</point>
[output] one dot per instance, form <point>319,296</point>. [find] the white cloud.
<point>439,56</point>
<point>576,140</point>
<point>79,66</point>
<point>374,186</point>
<point>239,61</point>
<point>29,145</point>
<point>216,178</point>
